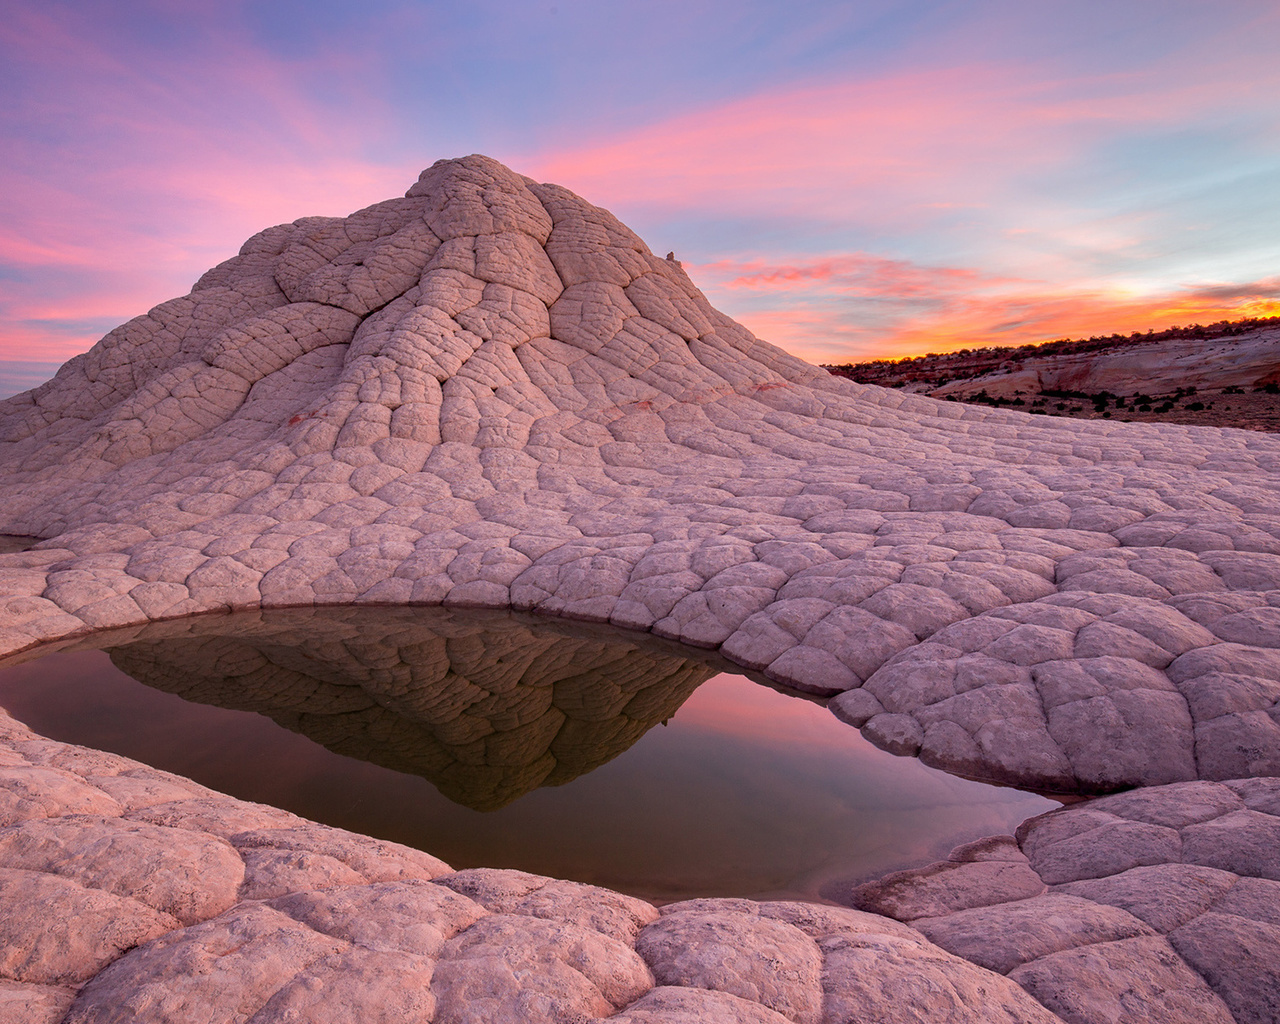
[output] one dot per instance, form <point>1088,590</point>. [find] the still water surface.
<point>550,745</point>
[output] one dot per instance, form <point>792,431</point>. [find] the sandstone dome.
<point>476,307</point>
<point>491,393</point>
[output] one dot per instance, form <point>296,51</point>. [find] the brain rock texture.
<point>490,393</point>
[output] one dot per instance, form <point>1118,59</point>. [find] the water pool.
<point>500,740</point>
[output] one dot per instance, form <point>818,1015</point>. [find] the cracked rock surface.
<point>193,905</point>
<point>489,393</point>
<point>1158,905</point>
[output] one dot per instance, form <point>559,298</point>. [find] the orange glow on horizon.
<point>858,307</point>
<point>1121,319</point>
<point>938,338</point>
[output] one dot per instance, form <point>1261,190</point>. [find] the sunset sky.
<point>862,179</point>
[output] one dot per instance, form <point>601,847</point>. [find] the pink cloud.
<point>833,147</point>
<point>897,148</point>
<point>43,343</point>
<point>183,161</point>
<point>854,273</point>
<point>187,158</point>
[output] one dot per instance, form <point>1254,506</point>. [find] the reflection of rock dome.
<point>483,706</point>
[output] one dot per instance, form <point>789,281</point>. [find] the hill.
<point>1225,375</point>
<point>491,393</point>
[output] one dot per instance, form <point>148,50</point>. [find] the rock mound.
<point>490,393</point>
<point>464,313</point>
<point>1159,905</point>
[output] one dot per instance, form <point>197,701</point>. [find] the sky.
<point>851,180</point>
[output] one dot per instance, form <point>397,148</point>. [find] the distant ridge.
<point>1223,374</point>
<point>940,368</point>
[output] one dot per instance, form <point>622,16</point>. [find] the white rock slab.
<point>490,393</point>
